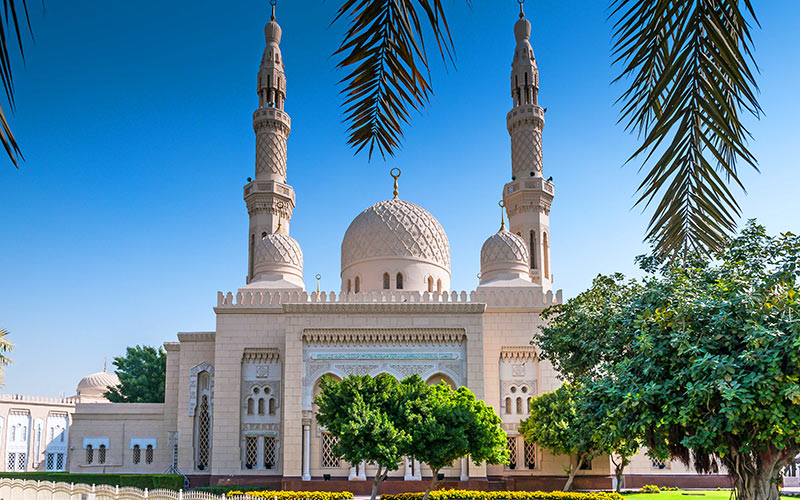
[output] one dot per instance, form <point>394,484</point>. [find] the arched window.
<point>272,406</point>
<point>430,283</point>
<point>50,434</point>
<point>508,406</point>
<point>386,281</point>
<point>13,432</point>
<point>89,454</point>
<point>101,454</point>
<point>439,286</point>
<point>358,284</point>
<point>203,432</point>
<point>519,405</point>
<point>249,406</point>
<point>546,255</point>
<point>528,405</point>
<point>533,250</point>
<point>399,281</point>
<point>148,454</point>
<point>349,286</point>
<point>137,454</point>
<point>260,406</point>
<point>252,250</point>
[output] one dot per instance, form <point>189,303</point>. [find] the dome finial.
<point>502,205</point>
<point>520,2</point>
<point>395,176</point>
<point>275,2</point>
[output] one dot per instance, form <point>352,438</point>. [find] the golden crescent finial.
<point>502,205</point>
<point>395,176</point>
<point>274,3</point>
<point>280,206</point>
<point>521,13</point>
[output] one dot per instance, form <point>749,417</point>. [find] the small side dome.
<point>504,258</point>
<point>277,262</point>
<point>92,388</point>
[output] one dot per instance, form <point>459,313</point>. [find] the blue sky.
<point>135,120</point>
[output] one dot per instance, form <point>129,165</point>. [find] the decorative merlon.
<point>258,354</point>
<point>519,353</point>
<point>347,336</point>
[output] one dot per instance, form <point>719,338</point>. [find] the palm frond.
<point>688,65</point>
<point>5,347</point>
<point>10,19</point>
<point>385,51</point>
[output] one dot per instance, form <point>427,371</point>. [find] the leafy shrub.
<point>224,490</point>
<point>505,495</point>
<point>669,488</point>
<point>292,495</point>
<point>142,481</point>
<point>650,488</point>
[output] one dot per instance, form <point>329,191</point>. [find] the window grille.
<point>50,461</point>
<point>203,435</point>
<point>512,453</point>
<point>530,454</point>
<point>269,452</point>
<point>101,454</point>
<point>11,461</point>
<point>329,460</point>
<point>89,454</point>
<point>657,464</point>
<point>59,461</point>
<point>137,454</point>
<point>21,461</point>
<point>148,454</point>
<point>251,452</point>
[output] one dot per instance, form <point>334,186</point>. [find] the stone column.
<point>362,471</point>
<point>406,470</point>
<point>417,471</point>
<point>306,449</point>
<point>464,469</point>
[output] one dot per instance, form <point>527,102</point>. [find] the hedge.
<point>223,490</point>
<point>505,495</point>
<point>293,495</point>
<point>142,481</point>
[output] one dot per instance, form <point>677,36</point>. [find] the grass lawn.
<point>687,495</point>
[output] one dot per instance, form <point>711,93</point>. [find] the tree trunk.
<point>573,470</point>
<point>379,476</point>
<point>618,470</point>
<point>434,482</point>
<point>757,475</point>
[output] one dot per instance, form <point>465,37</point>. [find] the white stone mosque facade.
<point>239,400</point>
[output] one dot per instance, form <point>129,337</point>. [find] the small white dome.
<point>395,238</point>
<point>278,258</point>
<point>504,256</point>
<point>100,381</point>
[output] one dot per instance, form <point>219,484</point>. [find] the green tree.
<point>142,374</point>
<point>555,423</point>
<point>363,412</point>
<point>446,424</point>
<point>5,347</point>
<point>711,373</point>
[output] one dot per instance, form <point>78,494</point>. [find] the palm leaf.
<point>384,51</point>
<point>5,347</point>
<point>10,18</point>
<point>688,68</point>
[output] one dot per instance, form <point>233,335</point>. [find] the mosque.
<point>239,400</point>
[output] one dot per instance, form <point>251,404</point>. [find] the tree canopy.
<point>710,366</point>
<point>142,374</point>
<point>5,347</point>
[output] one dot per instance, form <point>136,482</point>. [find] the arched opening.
<point>528,405</point>
<point>272,406</point>
<point>358,284</point>
<point>101,454</point>
<point>508,406</point>
<point>519,406</point>
<point>260,406</point>
<point>137,454</point>
<point>439,286</point>
<point>399,281</point>
<point>202,421</point>
<point>148,454</point>
<point>438,378</point>
<point>533,250</point>
<point>430,283</point>
<point>349,285</point>
<point>386,281</point>
<point>546,255</point>
<point>89,454</point>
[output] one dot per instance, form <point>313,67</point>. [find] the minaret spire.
<point>528,196</point>
<point>272,125</point>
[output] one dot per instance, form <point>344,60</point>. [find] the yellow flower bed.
<point>292,495</point>
<point>505,495</point>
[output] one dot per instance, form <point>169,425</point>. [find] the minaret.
<point>528,196</point>
<point>271,125</point>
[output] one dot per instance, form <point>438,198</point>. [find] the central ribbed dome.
<point>395,229</point>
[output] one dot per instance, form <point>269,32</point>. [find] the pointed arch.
<point>399,281</point>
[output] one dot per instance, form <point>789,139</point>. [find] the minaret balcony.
<point>532,184</point>
<point>526,113</point>
<point>270,115</point>
<point>258,189</point>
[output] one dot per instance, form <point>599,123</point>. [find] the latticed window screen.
<point>89,454</point>
<point>50,461</point>
<point>251,452</point>
<point>101,454</point>
<point>269,452</point>
<point>328,458</point>
<point>148,454</point>
<point>21,461</point>
<point>530,454</point>
<point>512,452</point>
<point>11,461</point>
<point>59,461</point>
<point>137,454</point>
<point>203,431</point>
